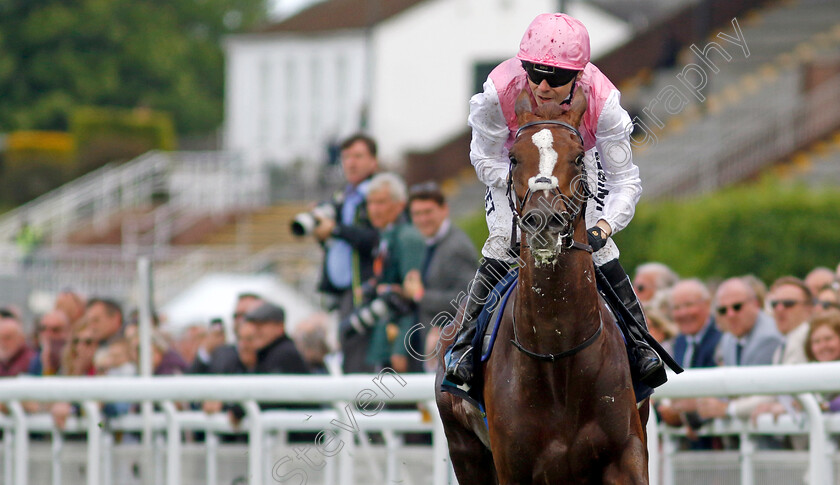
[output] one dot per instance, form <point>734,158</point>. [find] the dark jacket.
<point>449,270</point>
<point>704,352</point>
<point>280,357</point>
<point>361,235</point>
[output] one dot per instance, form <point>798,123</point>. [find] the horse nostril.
<point>533,221</point>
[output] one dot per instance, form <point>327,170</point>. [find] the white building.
<point>402,70</point>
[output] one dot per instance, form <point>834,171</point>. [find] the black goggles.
<point>555,76</point>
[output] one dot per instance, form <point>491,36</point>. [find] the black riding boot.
<point>649,367</point>
<point>459,368</point>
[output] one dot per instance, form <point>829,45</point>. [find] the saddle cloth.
<point>485,337</point>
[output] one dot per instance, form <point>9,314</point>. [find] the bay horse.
<point>560,404</point>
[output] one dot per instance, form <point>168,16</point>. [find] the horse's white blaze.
<point>544,141</point>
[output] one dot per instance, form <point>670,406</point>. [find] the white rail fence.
<point>357,405</point>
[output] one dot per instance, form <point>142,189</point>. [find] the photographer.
<point>388,314</point>
<point>349,240</point>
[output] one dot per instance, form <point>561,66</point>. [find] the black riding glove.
<point>597,238</point>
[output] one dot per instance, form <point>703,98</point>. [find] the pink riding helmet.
<point>555,39</point>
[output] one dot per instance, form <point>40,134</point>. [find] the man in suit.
<point>449,262</point>
<point>350,241</point>
<point>751,339</point>
<point>695,347</point>
<point>792,304</point>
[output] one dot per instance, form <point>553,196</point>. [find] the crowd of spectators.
<point>393,259</point>
<point>742,322</point>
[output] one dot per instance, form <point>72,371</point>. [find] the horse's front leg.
<point>631,466</point>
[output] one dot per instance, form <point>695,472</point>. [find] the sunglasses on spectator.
<point>554,76</point>
<point>736,307</point>
<point>86,341</point>
<point>828,304</point>
<point>785,303</point>
<point>6,313</point>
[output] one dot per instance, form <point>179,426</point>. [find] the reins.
<point>516,209</point>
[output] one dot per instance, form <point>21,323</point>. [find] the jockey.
<point>553,61</point>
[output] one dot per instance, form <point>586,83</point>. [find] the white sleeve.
<point>489,134</point>
<point>612,140</point>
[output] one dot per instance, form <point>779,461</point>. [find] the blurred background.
<point>192,132</point>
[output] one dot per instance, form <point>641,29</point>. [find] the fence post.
<point>21,443</point>
<point>817,439</point>
<point>173,444</point>
<point>255,442</point>
<point>653,447</point>
<point>94,437</point>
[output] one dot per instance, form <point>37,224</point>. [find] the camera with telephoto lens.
<point>305,222</point>
<point>386,306</point>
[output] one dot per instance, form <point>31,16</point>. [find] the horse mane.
<point>552,111</point>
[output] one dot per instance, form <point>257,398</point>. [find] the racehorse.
<point>560,404</point>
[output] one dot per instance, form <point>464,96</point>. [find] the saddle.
<point>485,338</point>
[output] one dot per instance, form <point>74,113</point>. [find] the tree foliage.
<point>160,54</point>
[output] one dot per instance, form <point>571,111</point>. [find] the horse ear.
<point>523,106</point>
<point>578,105</point>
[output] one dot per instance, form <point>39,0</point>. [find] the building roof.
<point>340,15</point>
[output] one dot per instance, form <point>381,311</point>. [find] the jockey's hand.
<point>597,237</point>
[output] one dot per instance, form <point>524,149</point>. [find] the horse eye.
<point>513,160</point>
<point>579,160</point>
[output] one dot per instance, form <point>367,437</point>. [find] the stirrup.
<point>451,374</point>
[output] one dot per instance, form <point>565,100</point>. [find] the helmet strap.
<point>568,99</point>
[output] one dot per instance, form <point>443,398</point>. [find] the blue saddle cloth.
<point>474,392</point>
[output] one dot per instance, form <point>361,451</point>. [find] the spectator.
<point>243,360</point>
<point>105,320</point>
<point>662,329</point>
<point>388,314</point>
<point>276,352</point>
<point>165,360</point>
<point>827,300</point>
<point>791,302</point>
<point>311,339</point>
<point>77,360</point>
<point>751,339</point>
<point>211,340</point>
<point>823,345</point>
<point>349,240</point>
<point>758,287</point>
<point>449,261</point>
<point>71,304</point>
<point>694,347</point>
<point>245,302</point>
<point>53,331</point>
<point>651,278</point>
<point>818,278</point>
<point>698,338</point>
<point>15,355</point>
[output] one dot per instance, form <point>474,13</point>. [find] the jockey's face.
<point>544,93</point>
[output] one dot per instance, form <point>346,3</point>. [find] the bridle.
<point>573,206</point>
<point>571,212</point>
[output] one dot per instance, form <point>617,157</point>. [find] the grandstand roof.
<point>340,15</point>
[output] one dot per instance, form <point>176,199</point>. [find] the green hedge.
<point>105,135</point>
<point>767,229</point>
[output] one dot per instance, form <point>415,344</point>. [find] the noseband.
<point>572,209</point>
<point>571,212</point>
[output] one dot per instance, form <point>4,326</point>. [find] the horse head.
<point>548,176</point>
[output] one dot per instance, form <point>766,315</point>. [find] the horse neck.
<point>557,305</point>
